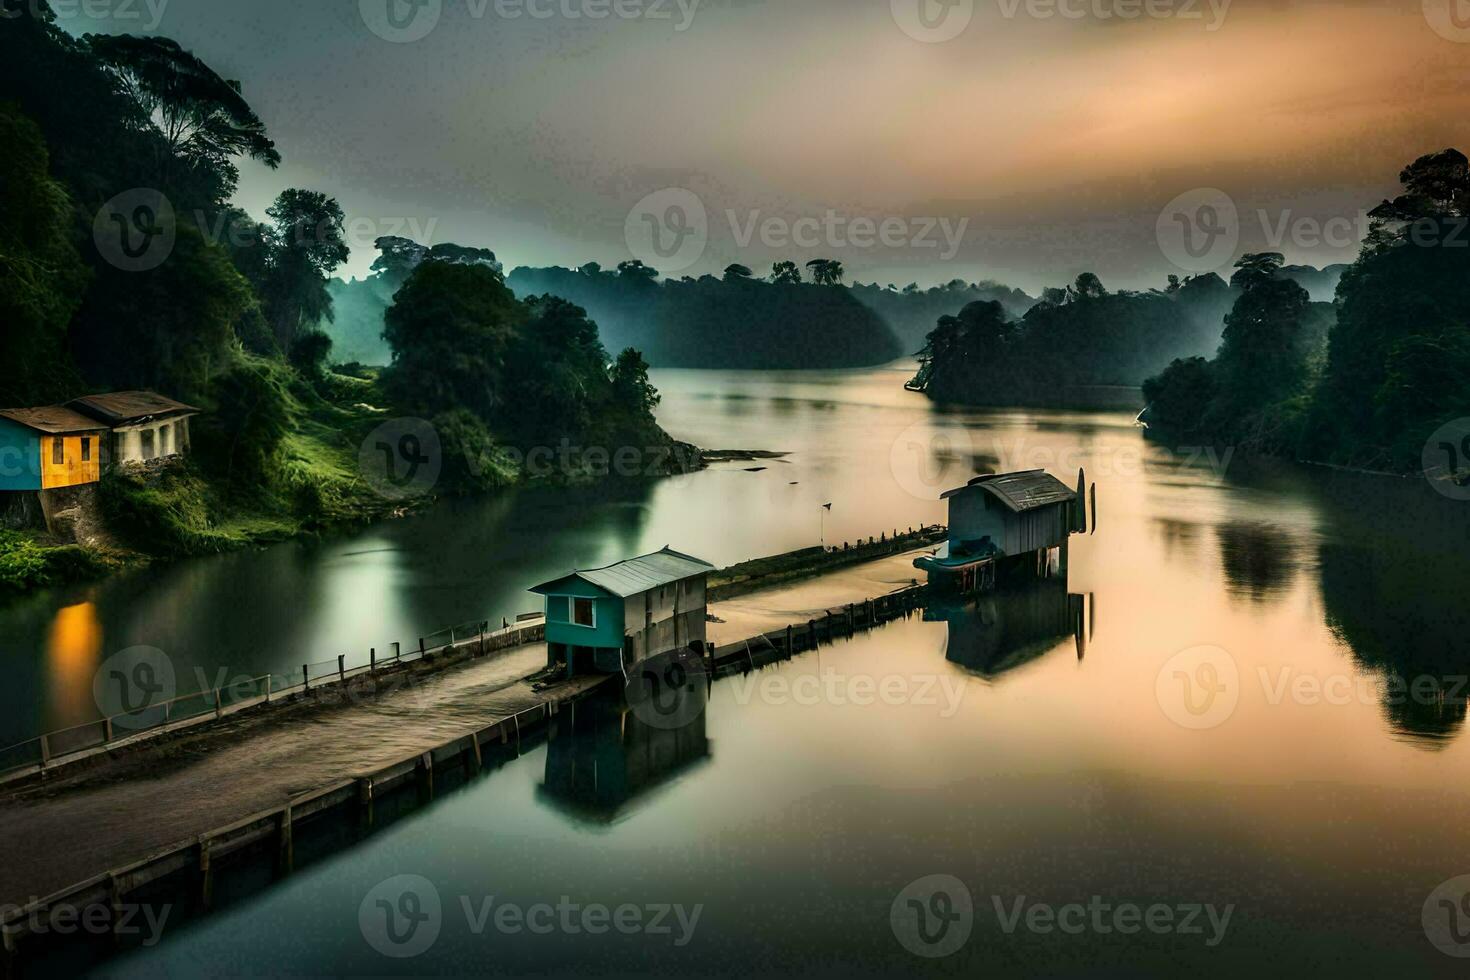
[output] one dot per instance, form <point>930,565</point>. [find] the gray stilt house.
<point>999,517</point>
<point>606,620</point>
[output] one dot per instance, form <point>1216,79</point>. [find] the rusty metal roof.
<point>1021,491</point>
<point>637,575</point>
<point>122,407</point>
<point>52,418</point>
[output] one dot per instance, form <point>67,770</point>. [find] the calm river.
<point>1193,754</point>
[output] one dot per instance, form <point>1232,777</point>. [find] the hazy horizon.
<point>1051,137</point>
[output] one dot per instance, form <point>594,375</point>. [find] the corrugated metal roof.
<point>120,407</point>
<point>1022,491</point>
<point>637,575</point>
<point>52,418</point>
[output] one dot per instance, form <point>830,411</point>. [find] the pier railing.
<point>66,744</point>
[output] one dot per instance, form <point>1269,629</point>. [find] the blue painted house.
<point>605,620</point>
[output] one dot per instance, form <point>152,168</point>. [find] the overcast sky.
<point>1024,140</point>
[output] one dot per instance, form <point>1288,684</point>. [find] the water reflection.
<point>1259,560</point>
<point>1395,593</point>
<point>73,652</point>
<point>998,632</point>
<point>607,762</point>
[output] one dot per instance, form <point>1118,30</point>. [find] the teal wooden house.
<point>605,620</point>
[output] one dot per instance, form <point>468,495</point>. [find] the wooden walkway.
<point>116,826</point>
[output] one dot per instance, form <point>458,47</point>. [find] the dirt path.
<point>65,831</point>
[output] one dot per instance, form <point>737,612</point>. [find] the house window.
<point>58,451</point>
<point>86,449</point>
<point>583,612</point>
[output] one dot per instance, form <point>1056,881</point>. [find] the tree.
<point>1255,268</point>
<point>307,246</point>
<point>1403,316</point>
<point>450,328</point>
<point>1435,185</point>
<point>826,272</point>
<point>1261,359</point>
<point>635,271</point>
<point>962,349</point>
<point>41,275</point>
<point>738,273</point>
<point>397,258</point>
<point>785,274</point>
<point>203,117</point>
<point>632,391</point>
<point>1088,286</point>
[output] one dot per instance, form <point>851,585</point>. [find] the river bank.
<point>172,512</point>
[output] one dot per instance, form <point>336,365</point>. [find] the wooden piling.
<point>206,875</point>
<point>285,847</point>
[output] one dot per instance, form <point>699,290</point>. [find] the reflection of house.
<point>145,425</point>
<point>611,760</point>
<point>608,619</point>
<point>999,632</point>
<point>1005,515</point>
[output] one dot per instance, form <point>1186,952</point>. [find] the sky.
<point>913,140</point>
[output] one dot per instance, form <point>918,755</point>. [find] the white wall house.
<point>145,425</point>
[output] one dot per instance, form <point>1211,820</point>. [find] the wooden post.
<point>305,678</point>
<point>397,651</point>
<point>45,750</point>
<point>790,642</point>
<point>851,624</point>
<point>285,848</point>
<point>422,651</point>
<point>483,627</point>
<point>206,876</point>
<point>365,799</point>
<point>115,904</point>
<point>107,729</point>
<point>372,659</point>
<point>219,706</point>
<point>341,666</point>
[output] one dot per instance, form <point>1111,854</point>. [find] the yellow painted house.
<point>49,448</point>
